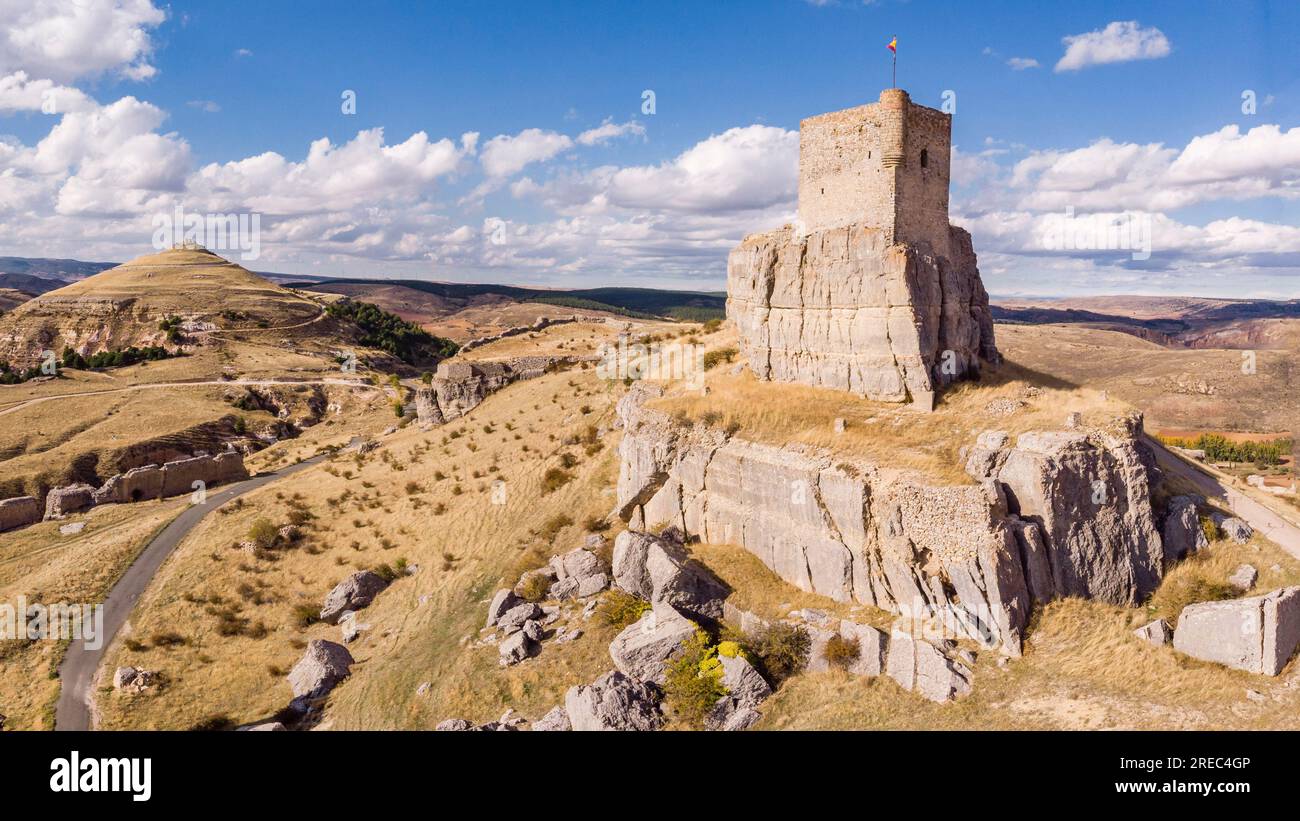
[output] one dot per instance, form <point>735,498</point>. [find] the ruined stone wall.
<point>19,511</point>
<point>852,530</point>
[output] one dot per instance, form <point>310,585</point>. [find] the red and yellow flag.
<point>893,45</point>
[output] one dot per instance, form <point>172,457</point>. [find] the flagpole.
<point>895,78</point>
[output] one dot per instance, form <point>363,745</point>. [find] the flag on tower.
<point>893,45</point>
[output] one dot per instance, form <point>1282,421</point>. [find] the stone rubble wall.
<point>138,484</point>
<point>19,511</point>
<point>542,323</point>
<point>844,308</point>
<point>853,531</point>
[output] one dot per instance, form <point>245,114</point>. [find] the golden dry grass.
<point>884,433</point>
<point>463,553</point>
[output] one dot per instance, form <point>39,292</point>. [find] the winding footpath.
<point>77,673</point>
<point>347,383</point>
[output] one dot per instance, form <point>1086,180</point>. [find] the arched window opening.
<point>925,158</point>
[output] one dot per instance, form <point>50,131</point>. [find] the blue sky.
<point>655,199</point>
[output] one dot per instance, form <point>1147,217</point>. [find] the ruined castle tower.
<point>871,291</point>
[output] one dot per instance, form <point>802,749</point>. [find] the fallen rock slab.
<point>872,647</point>
<point>1258,634</point>
<point>516,617</point>
<point>557,720</point>
<point>323,665</point>
<point>659,570</point>
<point>920,666</point>
<point>353,593</point>
<point>516,647</point>
<point>1158,633</point>
<point>643,649</point>
<point>1244,577</point>
<point>502,601</point>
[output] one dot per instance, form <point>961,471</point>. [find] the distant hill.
<point>641,303</point>
<point>1188,322</point>
<point>30,284</point>
<point>57,269</point>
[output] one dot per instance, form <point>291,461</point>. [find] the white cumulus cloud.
<point>1119,42</point>
<point>64,40</point>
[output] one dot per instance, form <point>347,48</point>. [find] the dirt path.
<point>237,382</point>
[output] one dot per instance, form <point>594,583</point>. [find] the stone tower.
<point>872,290</point>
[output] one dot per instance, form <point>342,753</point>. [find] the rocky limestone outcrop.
<point>19,511</point>
<point>1258,634</point>
<point>1088,494</point>
<point>133,679</point>
<point>923,667</point>
<point>62,501</point>
<point>642,650</point>
<point>460,386</point>
<point>576,574</point>
<point>1182,533</point>
<point>973,557</point>
<point>323,665</point>
<point>613,702</point>
<point>844,308</point>
<point>351,594</point>
<point>659,570</point>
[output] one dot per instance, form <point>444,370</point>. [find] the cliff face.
<point>851,530</point>
<point>843,308</point>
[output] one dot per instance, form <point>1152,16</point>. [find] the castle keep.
<point>871,290</point>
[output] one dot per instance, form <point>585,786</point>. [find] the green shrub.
<point>534,588</point>
<point>552,526</point>
<point>384,571</point>
<point>216,722</point>
<point>554,479</point>
<point>841,652</point>
<point>620,608</point>
<point>693,680</point>
<point>782,650</point>
<point>262,533</point>
<point>714,358</point>
<point>1210,529</point>
<point>305,615</point>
